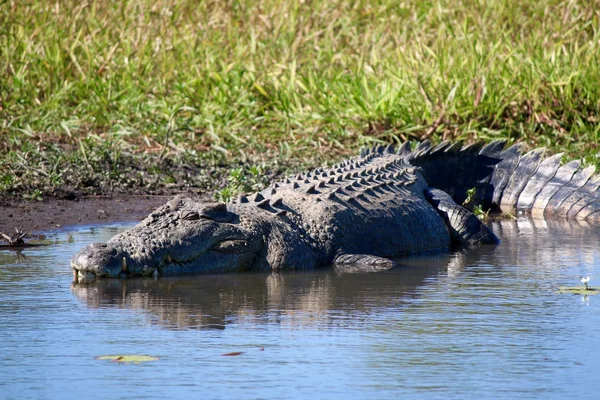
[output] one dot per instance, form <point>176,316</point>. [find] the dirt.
<point>52,214</point>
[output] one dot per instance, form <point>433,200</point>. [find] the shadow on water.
<point>215,301</point>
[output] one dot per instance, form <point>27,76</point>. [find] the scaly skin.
<point>357,213</point>
<point>372,205</point>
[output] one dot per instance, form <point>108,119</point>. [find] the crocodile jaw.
<point>104,260</point>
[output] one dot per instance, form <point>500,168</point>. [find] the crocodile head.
<point>180,237</point>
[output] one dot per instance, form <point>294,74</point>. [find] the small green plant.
<point>35,194</point>
<point>257,179</point>
<point>480,213</point>
<point>55,178</point>
<point>224,194</point>
<point>237,179</point>
<point>243,180</point>
<point>477,208</point>
<point>470,196</point>
<point>6,181</point>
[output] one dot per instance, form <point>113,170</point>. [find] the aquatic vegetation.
<point>135,359</point>
<point>585,280</point>
<point>588,291</point>
<point>584,290</point>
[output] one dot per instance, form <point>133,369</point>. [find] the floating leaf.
<point>120,358</point>
<point>235,353</point>
<point>578,290</point>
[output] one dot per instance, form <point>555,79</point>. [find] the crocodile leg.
<point>464,227</point>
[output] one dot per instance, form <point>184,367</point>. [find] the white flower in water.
<point>585,280</point>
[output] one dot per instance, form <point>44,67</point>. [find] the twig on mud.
<point>16,242</point>
<point>16,238</point>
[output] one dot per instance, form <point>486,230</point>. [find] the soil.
<point>53,214</point>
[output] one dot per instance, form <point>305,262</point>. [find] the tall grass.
<point>297,78</point>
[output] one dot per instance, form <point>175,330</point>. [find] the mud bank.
<point>52,214</point>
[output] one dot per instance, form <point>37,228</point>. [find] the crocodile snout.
<point>101,259</point>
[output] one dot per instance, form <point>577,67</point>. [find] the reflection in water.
<point>214,301</point>
<point>481,323</point>
<point>552,244</point>
<point>9,255</point>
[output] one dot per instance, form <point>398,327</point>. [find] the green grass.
<point>113,90</point>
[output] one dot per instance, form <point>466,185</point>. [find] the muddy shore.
<point>52,214</point>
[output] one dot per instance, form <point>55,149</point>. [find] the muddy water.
<point>482,324</point>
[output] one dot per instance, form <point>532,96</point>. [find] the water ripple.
<point>484,323</point>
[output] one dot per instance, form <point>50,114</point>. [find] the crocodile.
<point>356,214</point>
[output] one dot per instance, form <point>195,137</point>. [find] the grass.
<point>122,94</point>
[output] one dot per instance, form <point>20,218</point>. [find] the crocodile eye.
<point>189,215</point>
<point>231,246</point>
<point>216,212</point>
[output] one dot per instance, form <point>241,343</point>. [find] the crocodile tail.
<point>455,169</point>
<point>510,180</point>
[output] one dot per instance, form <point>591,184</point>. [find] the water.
<point>481,324</point>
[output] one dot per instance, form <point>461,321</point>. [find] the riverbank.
<point>51,213</point>
<point>150,97</point>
